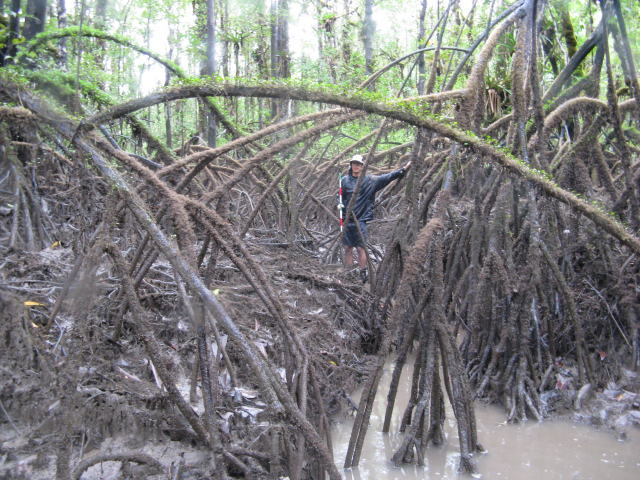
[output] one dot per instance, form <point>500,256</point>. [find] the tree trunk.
<point>567,29</point>
<point>346,45</point>
<point>421,67</point>
<point>79,62</point>
<point>224,27</point>
<point>4,25</point>
<point>14,32</point>
<point>35,19</point>
<point>211,65</point>
<point>62,43</point>
<point>100,23</point>
<point>167,113</point>
<point>274,46</point>
<point>284,57</point>
<point>369,30</point>
<point>283,39</point>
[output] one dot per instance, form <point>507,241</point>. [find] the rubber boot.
<point>363,274</point>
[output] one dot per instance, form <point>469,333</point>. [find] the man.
<point>363,209</point>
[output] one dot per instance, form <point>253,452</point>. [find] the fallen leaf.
<point>226,416</point>
<point>225,379</point>
<point>249,394</point>
<point>55,244</point>
<point>603,354</point>
<point>182,326</point>
<point>225,427</point>
<point>257,325</point>
<point>562,382</point>
<point>128,375</point>
<point>251,410</point>
<point>30,303</point>
<point>262,346</point>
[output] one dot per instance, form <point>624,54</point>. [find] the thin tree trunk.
<point>567,27</point>
<point>224,27</point>
<point>421,66</point>
<point>273,26</point>
<point>77,97</point>
<point>284,57</point>
<point>1,49</point>
<point>346,44</point>
<point>9,51</point>
<point>62,43</point>
<point>211,65</point>
<point>369,31</point>
<point>635,86</point>
<point>167,113</point>
<point>283,39</point>
<point>435,71</point>
<point>100,22</point>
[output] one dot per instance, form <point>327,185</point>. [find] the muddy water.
<point>549,450</point>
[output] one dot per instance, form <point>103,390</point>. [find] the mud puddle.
<point>558,449</point>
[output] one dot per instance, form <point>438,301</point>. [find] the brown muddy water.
<point>556,450</point>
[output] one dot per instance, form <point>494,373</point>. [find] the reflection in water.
<point>549,450</point>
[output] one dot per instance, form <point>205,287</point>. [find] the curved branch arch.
<point>477,145</point>
<point>42,38</point>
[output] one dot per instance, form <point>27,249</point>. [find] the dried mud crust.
<point>105,394</point>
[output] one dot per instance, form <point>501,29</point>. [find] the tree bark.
<point>9,51</point>
<point>100,22</point>
<point>76,106</point>
<point>567,27</point>
<point>421,45</point>
<point>273,28</point>
<point>211,66</point>
<point>635,85</point>
<point>346,46</point>
<point>368,32</point>
<point>62,42</point>
<point>167,113</point>
<point>35,20</point>
<point>224,27</point>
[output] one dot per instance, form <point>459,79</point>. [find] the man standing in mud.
<point>363,209</point>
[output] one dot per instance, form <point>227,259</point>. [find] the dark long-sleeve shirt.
<point>371,184</point>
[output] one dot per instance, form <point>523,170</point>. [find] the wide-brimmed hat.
<point>356,159</point>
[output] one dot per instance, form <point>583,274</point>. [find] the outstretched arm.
<point>384,180</point>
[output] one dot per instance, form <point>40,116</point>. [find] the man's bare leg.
<point>348,255</point>
<point>362,257</point>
